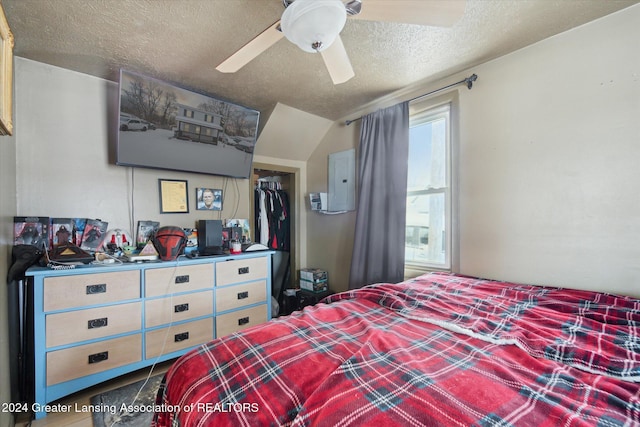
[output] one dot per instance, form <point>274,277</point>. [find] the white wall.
<point>549,153</point>
<point>7,313</point>
<point>291,134</point>
<point>548,182</point>
<point>549,161</point>
<point>330,237</point>
<point>66,128</point>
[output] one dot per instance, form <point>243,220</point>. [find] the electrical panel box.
<point>342,181</point>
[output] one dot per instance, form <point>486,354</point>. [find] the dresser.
<point>93,323</point>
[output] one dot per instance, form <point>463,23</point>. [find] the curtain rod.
<point>468,81</point>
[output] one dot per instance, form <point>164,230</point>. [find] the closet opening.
<point>273,222</point>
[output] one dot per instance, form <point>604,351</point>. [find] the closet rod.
<point>468,81</point>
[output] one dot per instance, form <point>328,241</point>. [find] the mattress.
<point>441,349</point>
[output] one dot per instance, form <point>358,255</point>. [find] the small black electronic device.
<point>211,250</point>
<point>210,237</point>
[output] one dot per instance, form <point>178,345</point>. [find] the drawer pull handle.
<point>181,337</point>
<point>243,270</point>
<point>97,323</point>
<point>243,295</point>
<point>180,308</point>
<point>243,321</point>
<point>182,279</point>
<point>96,289</point>
<point>98,357</point>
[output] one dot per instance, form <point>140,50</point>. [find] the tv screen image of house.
<point>164,126</point>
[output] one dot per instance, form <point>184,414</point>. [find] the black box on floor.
<point>306,298</point>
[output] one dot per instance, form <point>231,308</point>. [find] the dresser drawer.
<point>76,362</point>
<point>178,308</point>
<point>240,270</point>
<point>99,322</point>
<point>237,296</point>
<point>178,337</point>
<point>241,319</point>
<point>80,290</point>
<point>170,280</point>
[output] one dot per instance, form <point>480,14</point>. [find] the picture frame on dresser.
<point>6,76</point>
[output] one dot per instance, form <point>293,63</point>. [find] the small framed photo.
<point>209,199</point>
<point>173,196</point>
<point>146,231</point>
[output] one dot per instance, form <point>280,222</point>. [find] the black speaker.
<point>209,236</point>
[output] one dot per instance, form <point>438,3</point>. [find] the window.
<point>429,212</point>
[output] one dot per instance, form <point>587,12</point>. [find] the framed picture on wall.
<point>209,199</point>
<point>173,196</point>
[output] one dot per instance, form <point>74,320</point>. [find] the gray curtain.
<point>378,251</point>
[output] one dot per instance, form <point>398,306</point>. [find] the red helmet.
<point>169,242</point>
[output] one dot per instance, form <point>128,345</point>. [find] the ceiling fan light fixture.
<point>313,25</point>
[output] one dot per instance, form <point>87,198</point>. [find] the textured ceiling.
<point>182,41</point>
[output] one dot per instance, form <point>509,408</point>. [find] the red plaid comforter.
<point>437,350</point>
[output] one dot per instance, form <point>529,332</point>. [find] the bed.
<point>441,349</point>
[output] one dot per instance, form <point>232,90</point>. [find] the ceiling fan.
<point>315,26</point>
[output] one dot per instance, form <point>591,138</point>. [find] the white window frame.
<point>421,113</point>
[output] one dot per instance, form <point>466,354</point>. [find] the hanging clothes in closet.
<point>272,215</point>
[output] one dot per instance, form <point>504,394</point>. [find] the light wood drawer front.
<point>238,320</point>
<point>75,326</point>
<point>166,281</point>
<point>177,308</point>
<point>240,270</point>
<point>237,296</point>
<point>76,362</point>
<point>88,289</point>
<point>178,337</point>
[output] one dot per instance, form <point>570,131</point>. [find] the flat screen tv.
<point>164,126</point>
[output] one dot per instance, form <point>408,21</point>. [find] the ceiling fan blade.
<point>337,61</point>
<point>249,51</point>
<point>437,13</point>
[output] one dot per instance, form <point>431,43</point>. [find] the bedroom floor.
<point>83,397</point>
